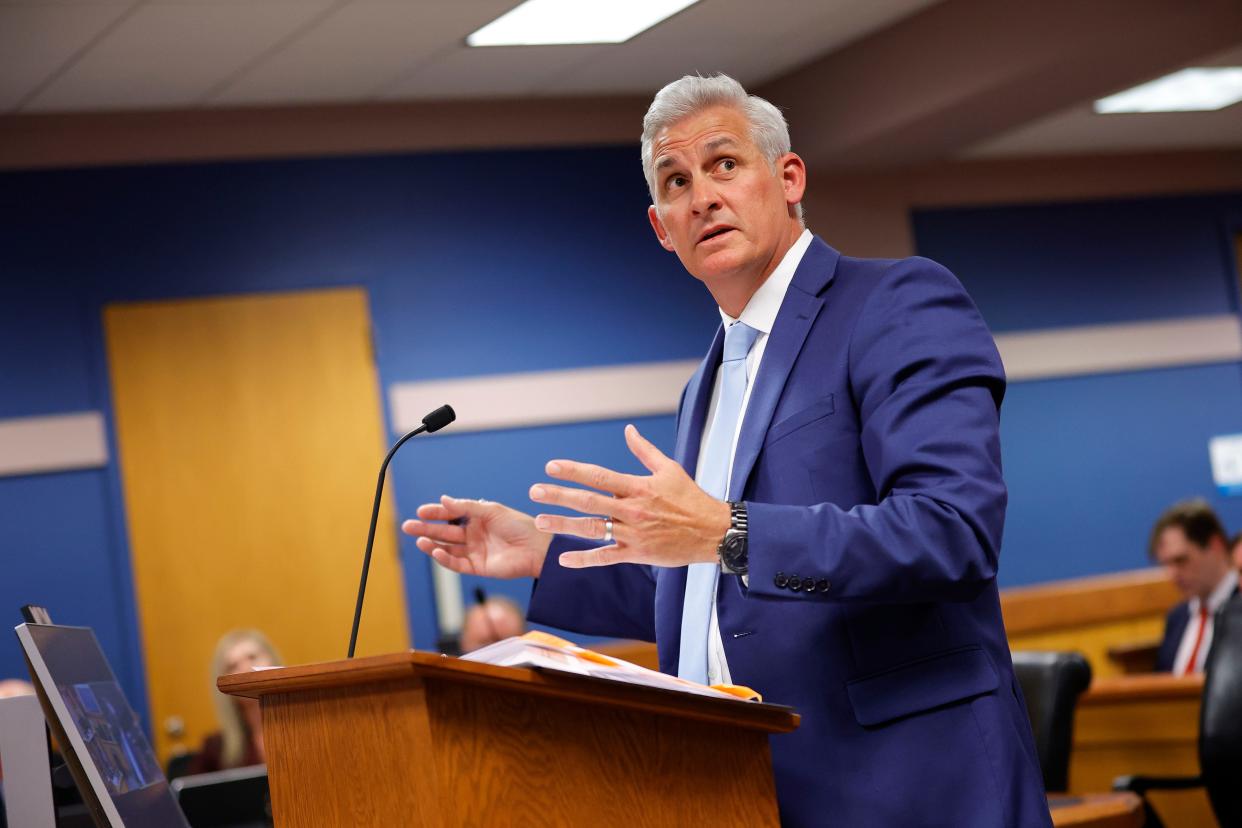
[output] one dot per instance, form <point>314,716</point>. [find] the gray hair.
<point>692,94</point>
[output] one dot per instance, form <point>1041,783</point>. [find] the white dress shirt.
<point>760,314</point>
<point>1215,601</point>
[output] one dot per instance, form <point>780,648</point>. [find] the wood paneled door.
<point>250,432</point>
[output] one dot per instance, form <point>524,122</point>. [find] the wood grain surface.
<point>519,761</point>
<point>354,755</point>
<point>1141,725</point>
<point>1110,810</point>
<point>1091,615</point>
<point>420,739</point>
<point>1084,601</point>
<point>768,718</point>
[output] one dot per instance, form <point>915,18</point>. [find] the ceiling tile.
<point>172,54</point>
<point>493,71</point>
<point>1081,130</point>
<point>359,49</point>
<point>753,42</point>
<point>36,40</point>
<point>47,3</point>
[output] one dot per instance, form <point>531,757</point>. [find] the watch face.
<point>734,552</point>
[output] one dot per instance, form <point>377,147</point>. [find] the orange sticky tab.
<point>744,693</point>
<point>540,637</point>
<point>598,658</point>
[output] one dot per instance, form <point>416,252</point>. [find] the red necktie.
<point>1194,654</point>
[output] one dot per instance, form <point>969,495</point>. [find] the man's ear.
<point>793,177</point>
<point>1217,544</point>
<point>658,227</point>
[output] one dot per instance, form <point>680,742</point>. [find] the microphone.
<point>434,421</point>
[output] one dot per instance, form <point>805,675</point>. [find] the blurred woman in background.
<point>239,741</point>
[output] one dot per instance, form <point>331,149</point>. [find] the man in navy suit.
<point>1190,543</point>
<point>850,548</point>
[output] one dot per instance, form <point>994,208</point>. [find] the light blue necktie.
<point>701,578</point>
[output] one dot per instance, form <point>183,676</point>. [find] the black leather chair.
<point>1220,728</point>
<point>1052,683</point>
<point>179,766</point>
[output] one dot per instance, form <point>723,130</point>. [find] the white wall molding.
<point>58,442</point>
<point>537,398</point>
<point>1133,346</point>
<point>518,400</point>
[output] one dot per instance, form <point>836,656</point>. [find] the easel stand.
<point>23,757</point>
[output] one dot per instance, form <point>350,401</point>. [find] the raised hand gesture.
<point>483,538</point>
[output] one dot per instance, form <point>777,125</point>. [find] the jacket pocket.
<point>922,685</point>
<point>798,419</point>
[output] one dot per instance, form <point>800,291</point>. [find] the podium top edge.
<point>419,667</point>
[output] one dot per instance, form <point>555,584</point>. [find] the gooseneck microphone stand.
<point>434,421</point>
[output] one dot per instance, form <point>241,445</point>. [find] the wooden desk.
<point>1135,657</point>
<point>1111,810</point>
<point>1141,724</point>
<point>1091,615</point>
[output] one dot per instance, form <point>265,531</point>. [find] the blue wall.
<point>1091,461</point>
<point>480,263</point>
<point>476,263</point>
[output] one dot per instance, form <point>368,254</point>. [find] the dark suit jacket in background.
<point>1174,628</point>
<point>869,458</point>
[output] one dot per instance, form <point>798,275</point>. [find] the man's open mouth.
<point>719,231</point>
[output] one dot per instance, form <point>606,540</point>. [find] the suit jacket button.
<point>808,584</point>
<point>822,585</point>
<point>795,583</point>
<point>780,580</point>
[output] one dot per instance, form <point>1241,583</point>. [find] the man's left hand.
<point>663,519</point>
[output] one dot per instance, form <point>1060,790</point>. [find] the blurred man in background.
<point>491,620</point>
<point>1190,543</point>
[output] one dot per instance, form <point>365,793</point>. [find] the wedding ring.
<point>608,538</point>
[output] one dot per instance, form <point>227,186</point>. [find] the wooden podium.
<point>421,739</point>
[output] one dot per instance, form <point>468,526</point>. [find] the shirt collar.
<point>1219,595</point>
<point>760,312</point>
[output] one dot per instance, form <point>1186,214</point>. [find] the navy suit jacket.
<point>869,459</point>
<point>1174,628</point>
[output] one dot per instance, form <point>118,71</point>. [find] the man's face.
<point>1194,570</point>
<point>718,202</point>
<point>488,623</point>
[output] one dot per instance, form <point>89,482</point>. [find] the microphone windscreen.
<point>439,418</point>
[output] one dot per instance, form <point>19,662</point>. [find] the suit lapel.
<point>803,301</point>
<point>802,304</point>
<point>695,403</point>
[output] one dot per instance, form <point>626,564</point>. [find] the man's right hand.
<point>492,540</point>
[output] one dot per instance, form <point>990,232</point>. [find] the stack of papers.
<point>539,649</point>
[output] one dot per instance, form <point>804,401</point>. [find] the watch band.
<point>737,512</point>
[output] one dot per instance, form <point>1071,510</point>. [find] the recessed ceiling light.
<point>1190,90</point>
<point>548,22</point>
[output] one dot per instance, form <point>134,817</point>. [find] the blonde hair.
<point>234,733</point>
